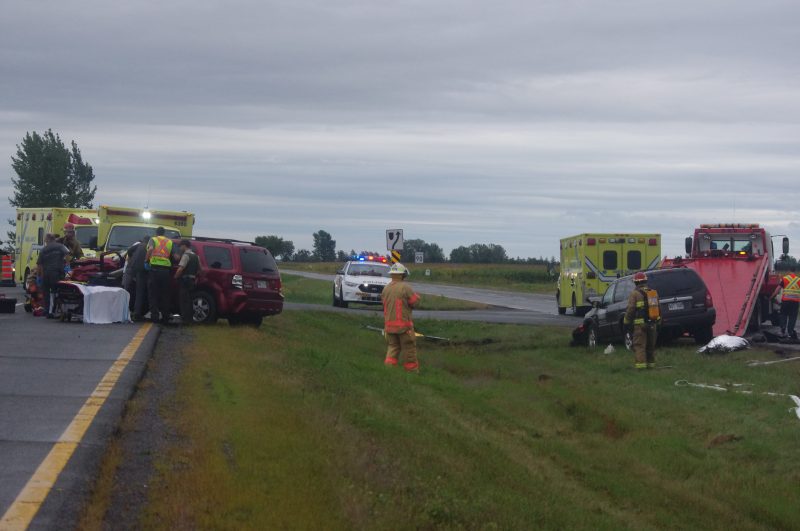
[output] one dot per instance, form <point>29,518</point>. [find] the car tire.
<point>703,335</point>
<point>591,336</point>
<point>342,302</point>
<point>336,302</point>
<point>204,309</point>
<point>561,309</point>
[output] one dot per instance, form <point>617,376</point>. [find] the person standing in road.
<point>398,300</point>
<point>790,300</point>
<point>642,317</point>
<point>158,261</point>
<point>50,269</point>
<point>134,277</point>
<point>186,275</point>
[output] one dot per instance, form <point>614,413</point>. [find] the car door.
<point>603,326</point>
<point>618,306</point>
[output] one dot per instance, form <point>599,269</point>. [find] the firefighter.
<point>642,317</point>
<point>158,262</point>
<point>789,304</point>
<point>398,300</point>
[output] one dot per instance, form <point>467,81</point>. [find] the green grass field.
<point>510,277</point>
<point>299,425</point>
<point>312,291</point>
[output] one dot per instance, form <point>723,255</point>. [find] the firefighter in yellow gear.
<point>642,316</point>
<point>398,299</point>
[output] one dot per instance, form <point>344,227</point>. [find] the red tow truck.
<point>737,263</point>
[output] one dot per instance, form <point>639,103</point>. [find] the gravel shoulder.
<point>141,439</point>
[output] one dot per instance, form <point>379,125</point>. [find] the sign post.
<point>394,243</point>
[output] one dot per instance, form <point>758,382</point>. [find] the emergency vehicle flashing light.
<point>370,258</point>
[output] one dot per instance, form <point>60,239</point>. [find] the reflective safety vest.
<point>398,299</point>
<point>791,288</point>
<point>162,249</point>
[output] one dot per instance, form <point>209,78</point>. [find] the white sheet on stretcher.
<point>104,305</point>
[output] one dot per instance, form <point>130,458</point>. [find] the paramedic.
<point>186,275</point>
<point>50,268</point>
<point>158,263</point>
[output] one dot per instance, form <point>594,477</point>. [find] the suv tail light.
<point>709,300</point>
<point>237,281</point>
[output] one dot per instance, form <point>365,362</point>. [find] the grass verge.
<point>506,277</point>
<point>299,425</point>
<point>312,291</point>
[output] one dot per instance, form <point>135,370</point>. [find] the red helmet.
<point>69,226</point>
<point>640,277</point>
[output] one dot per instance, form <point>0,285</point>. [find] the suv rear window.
<point>257,260</point>
<point>676,281</point>
<point>218,257</point>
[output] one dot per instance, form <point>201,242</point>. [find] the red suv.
<point>237,280</point>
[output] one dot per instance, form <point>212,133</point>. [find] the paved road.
<point>530,302</point>
<point>48,371</point>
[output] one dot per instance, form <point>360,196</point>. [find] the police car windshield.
<point>122,236</point>
<point>371,270</point>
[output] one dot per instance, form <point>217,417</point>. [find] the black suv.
<point>686,308</point>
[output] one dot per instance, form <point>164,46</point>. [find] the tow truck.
<point>737,263</point>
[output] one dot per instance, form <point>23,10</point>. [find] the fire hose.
<point>417,334</point>
<point>728,386</point>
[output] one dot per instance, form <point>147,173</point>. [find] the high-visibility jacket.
<point>398,299</point>
<point>791,287</point>
<point>638,310</point>
<point>162,250</point>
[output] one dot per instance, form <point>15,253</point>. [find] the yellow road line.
<point>30,499</point>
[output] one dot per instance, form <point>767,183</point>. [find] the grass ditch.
<point>505,277</point>
<point>299,425</point>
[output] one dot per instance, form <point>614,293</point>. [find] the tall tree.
<point>49,174</point>
<point>324,247</point>
<point>277,246</point>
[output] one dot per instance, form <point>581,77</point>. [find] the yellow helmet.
<point>398,269</point>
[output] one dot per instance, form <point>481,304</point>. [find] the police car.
<point>361,280</point>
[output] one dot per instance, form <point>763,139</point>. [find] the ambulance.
<point>590,262</point>
<point>119,227</point>
<point>33,223</point>
<point>108,228</point>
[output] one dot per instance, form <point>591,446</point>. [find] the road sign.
<point>419,258</point>
<point>394,240</point>
<point>395,256</point>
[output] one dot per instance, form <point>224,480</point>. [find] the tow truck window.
<point>218,257</point>
<point>634,260</point>
<point>609,260</point>
<point>256,260</point>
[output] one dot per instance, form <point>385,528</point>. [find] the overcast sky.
<point>507,122</point>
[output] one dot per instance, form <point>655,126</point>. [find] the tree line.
<point>324,250</point>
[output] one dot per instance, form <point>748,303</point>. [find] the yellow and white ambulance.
<point>590,262</point>
<point>33,223</point>
<point>119,227</point>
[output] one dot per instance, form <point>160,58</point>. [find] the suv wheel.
<point>204,310</point>
<point>703,335</point>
